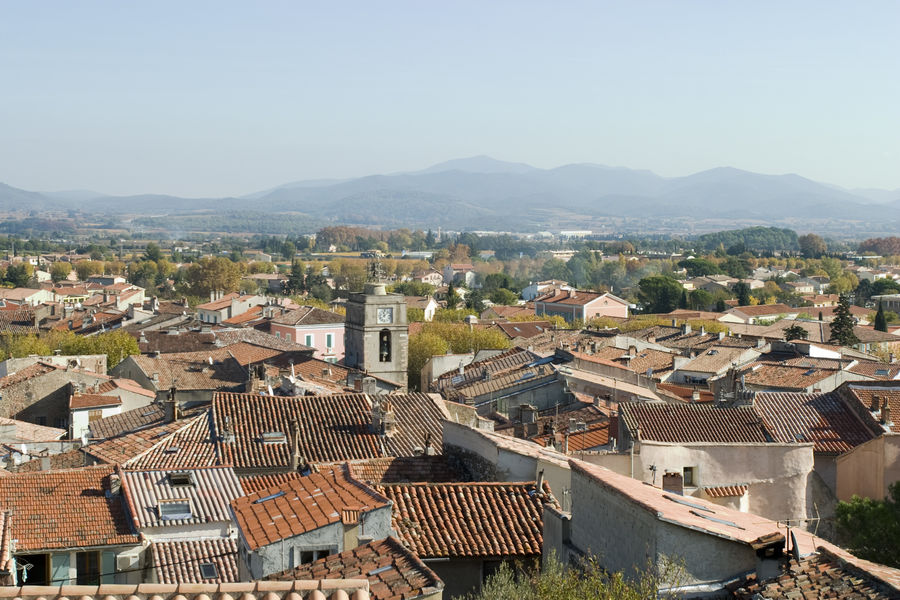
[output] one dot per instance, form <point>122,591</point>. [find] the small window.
<point>287,337</point>
<point>274,437</point>
<point>278,334</point>
<point>690,476</point>
<point>329,340</point>
<point>174,510</point>
<point>309,340</point>
<point>180,479</point>
<point>208,571</point>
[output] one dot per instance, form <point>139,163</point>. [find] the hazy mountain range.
<point>484,193</point>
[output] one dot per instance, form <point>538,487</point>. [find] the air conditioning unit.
<point>127,561</point>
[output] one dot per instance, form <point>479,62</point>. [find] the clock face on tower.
<point>385,315</point>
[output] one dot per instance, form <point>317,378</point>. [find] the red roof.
<point>65,509</point>
<point>469,519</point>
<point>179,562</point>
<point>83,401</point>
<point>301,505</point>
<point>690,423</point>
<point>394,572</point>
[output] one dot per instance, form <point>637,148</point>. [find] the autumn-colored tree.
<point>211,274</point>
<point>59,271</point>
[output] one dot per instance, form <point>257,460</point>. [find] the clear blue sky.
<point>221,97</point>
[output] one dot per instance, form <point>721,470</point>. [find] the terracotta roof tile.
<point>822,575</point>
<point>190,446</point>
<point>405,469</point>
<point>889,392</point>
<point>332,428</point>
<point>29,372</point>
<point>508,360</point>
<point>292,508</point>
<point>308,315</point>
<point>179,562</point>
<point>726,491</point>
<point>688,423</point>
<point>65,509</point>
<point>785,377</point>
<point>83,401</point>
<point>128,421</point>
<point>355,589</point>
<point>393,571</point>
<point>823,419</point>
<point>469,519</point>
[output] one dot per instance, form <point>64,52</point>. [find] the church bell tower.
<point>376,334</point>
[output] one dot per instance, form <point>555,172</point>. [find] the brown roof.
<point>763,310</point>
<point>261,481</point>
<point>405,469</point>
<point>65,509</point>
<point>885,391</point>
<point>822,575</point>
<point>444,520</point>
<point>332,428</point>
<point>393,571</point>
<point>524,329</point>
<point>575,297</point>
<point>128,421</point>
<point>877,370</point>
<point>308,315</point>
<point>179,562</point>
<point>193,370</point>
<point>29,372</point>
<point>120,450</point>
<point>190,446</point>
<point>83,401</point>
<point>657,360</point>
<point>823,419</point>
<point>301,505</point>
<point>71,459</point>
<point>496,383</point>
<point>30,432</point>
<point>784,377</point>
<point>690,423</point>
<point>221,303</point>
<point>685,393</point>
<point>507,360</point>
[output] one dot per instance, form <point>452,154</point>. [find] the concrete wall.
<point>45,399</point>
<point>777,474</point>
<point>869,469</point>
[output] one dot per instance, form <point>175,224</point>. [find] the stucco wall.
<point>777,474</point>
<point>869,469</point>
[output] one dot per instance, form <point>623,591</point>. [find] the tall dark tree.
<point>870,529</point>
<point>659,293</point>
<point>452,297</point>
<point>795,332</point>
<point>880,320</point>
<point>842,325</point>
<point>742,291</point>
<point>683,301</point>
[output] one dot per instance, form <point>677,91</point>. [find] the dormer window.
<point>175,510</point>
<point>273,437</point>
<point>180,479</point>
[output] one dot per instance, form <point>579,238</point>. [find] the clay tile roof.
<point>725,491</point>
<point>342,589</point>
<point>877,370</point>
<point>301,505</point>
<point>524,329</point>
<point>83,401</point>
<point>469,519</point>
<point>209,493</point>
<point>220,303</point>
<point>787,377</point>
<point>308,315</point>
<point>192,370</point>
<point>760,310</point>
<point>508,380</point>
<point>30,372</point>
<point>394,572</point>
<point>823,419</point>
<point>574,297</point>
<point>193,445</point>
<point>684,393</point>
<point>691,423</point>
<point>822,575</point>
<point>504,361</point>
<point>71,459</point>
<point>405,469</point>
<point>261,481</point>
<point>65,509</point>
<point>29,432</point>
<point>332,428</point>
<point>6,563</point>
<point>119,450</point>
<point>179,562</point>
<point>888,391</point>
<point>128,421</point>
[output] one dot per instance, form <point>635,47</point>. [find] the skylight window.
<point>273,437</point>
<point>175,510</point>
<point>687,503</point>
<point>208,571</point>
<point>180,479</point>
<point>716,520</point>
<point>882,372</point>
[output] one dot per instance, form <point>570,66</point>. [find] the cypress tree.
<point>880,320</point>
<point>842,325</point>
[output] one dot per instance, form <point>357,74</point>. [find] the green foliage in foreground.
<point>870,529</point>
<point>555,582</point>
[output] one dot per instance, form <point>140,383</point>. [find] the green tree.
<point>19,274</point>
<point>556,581</point>
<point>742,291</point>
<point>842,324</point>
<point>659,293</point>
<point>812,245</point>
<point>700,299</point>
<point>452,297</point>
<point>795,332</point>
<point>59,271</point>
<point>880,320</point>
<point>295,283</point>
<point>153,252</point>
<point>211,274</point>
<point>697,267</point>
<point>870,529</point>
<point>413,288</point>
<point>503,296</point>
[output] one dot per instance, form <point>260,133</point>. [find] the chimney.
<point>115,484</point>
<point>702,330</point>
<point>369,386</point>
<point>155,379</point>
<point>45,463</point>
<point>539,484</point>
<point>212,296</point>
<point>384,421</point>
<point>295,455</point>
<point>686,328</point>
<point>875,405</point>
<point>527,413</point>
<point>429,447</point>
<point>886,412</point>
<point>674,322</point>
<point>695,396</point>
<point>721,335</point>
<point>572,423</point>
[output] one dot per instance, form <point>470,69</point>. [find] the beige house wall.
<point>869,469</point>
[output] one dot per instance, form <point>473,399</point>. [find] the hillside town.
<point>289,425</point>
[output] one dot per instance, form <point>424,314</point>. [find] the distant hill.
<point>484,193</point>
